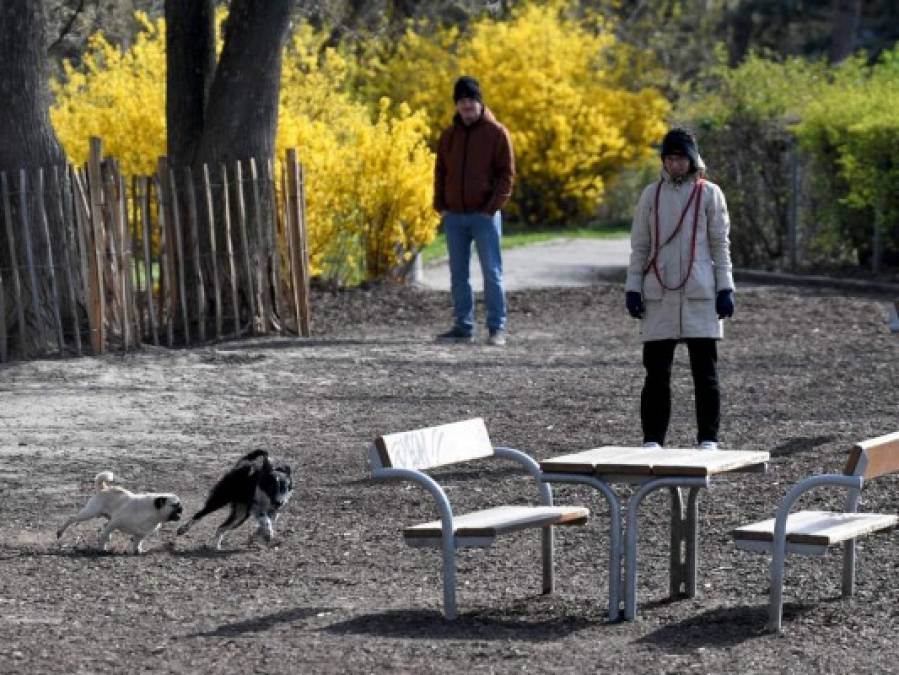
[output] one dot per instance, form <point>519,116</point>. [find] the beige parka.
<point>689,311</point>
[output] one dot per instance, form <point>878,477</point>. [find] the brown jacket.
<point>475,166</point>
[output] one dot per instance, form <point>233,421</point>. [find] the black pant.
<point>655,401</point>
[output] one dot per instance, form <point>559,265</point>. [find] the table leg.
<point>676,574</point>
<point>632,529</point>
<point>692,537</point>
<point>616,529</point>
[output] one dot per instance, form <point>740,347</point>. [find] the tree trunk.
<point>27,141</point>
<point>190,65</point>
<point>219,114</point>
<point>242,110</point>
<point>845,19</point>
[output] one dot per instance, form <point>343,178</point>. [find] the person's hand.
<point>634,302</point>
<point>724,303</point>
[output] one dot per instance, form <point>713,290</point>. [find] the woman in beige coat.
<point>680,285</point>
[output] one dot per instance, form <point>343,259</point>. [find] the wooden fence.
<point>169,259</point>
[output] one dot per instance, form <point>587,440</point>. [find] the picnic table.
<point>647,470</point>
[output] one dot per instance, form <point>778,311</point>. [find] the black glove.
<point>724,304</point>
<point>634,303</point>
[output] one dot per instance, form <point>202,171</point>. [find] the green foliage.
<point>836,126</point>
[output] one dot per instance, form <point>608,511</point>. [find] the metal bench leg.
<point>692,537</point>
<point>548,578</point>
<point>449,577</point>
<point>676,560</point>
<point>849,568</point>
<point>775,605</point>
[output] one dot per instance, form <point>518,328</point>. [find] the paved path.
<point>562,262</point>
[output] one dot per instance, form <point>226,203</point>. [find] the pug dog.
<point>255,486</point>
<point>138,514</point>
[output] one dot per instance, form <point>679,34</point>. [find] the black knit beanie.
<point>679,141</point>
<point>467,87</point>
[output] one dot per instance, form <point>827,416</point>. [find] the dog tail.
<point>102,480</point>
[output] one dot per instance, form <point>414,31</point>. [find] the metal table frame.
<point>624,530</point>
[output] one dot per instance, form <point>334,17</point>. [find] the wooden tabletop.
<point>656,462</point>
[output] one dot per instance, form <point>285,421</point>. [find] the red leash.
<point>653,262</point>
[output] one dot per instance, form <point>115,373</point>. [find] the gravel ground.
<point>805,374</point>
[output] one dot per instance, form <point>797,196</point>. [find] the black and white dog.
<point>254,486</point>
<point>138,514</point>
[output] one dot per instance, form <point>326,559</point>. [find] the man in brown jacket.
<point>473,178</point>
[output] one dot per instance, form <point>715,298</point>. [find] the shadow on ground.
<point>431,625</point>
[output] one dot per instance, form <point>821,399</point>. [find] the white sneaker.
<point>651,444</point>
<point>708,445</point>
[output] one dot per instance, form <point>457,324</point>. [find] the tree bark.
<point>27,141</point>
<point>242,109</point>
<point>190,65</point>
<point>846,15</point>
<point>27,138</point>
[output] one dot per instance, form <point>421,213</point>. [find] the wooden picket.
<point>125,264</point>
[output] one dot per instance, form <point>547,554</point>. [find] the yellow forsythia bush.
<point>552,79</point>
<point>118,96</point>
<point>369,182</point>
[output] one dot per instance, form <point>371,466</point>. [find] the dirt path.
<point>805,374</point>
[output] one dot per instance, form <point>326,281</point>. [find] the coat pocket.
<point>701,283</point>
<point>652,289</point>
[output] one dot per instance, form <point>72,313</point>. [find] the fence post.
<point>86,257</point>
<point>29,253</point>
<point>229,247</point>
<point>167,298</point>
<point>148,259</point>
<point>178,258</point>
<point>794,211</point>
<point>262,250</point>
<point>110,189</point>
<point>14,267</point>
<point>244,242</point>
<point>191,197</point>
<point>280,308</point>
<point>294,205</point>
<point>877,238</point>
<point>67,251</point>
<point>210,217</point>
<point>3,338</point>
<point>130,267</point>
<point>51,269</point>
<point>97,241</point>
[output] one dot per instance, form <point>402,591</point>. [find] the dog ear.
<point>159,502</point>
<point>253,456</point>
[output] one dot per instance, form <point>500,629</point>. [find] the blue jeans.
<point>486,232</point>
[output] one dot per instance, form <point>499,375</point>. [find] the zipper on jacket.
<point>464,164</point>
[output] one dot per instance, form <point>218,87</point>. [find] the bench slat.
<point>435,446</point>
<point>822,528</point>
<point>501,519</point>
<point>881,453</point>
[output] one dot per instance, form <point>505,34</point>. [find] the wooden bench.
<point>814,532</point>
<point>407,455</point>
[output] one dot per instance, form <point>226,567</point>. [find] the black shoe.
<point>455,334</point>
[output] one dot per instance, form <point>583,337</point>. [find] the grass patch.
<point>513,238</point>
